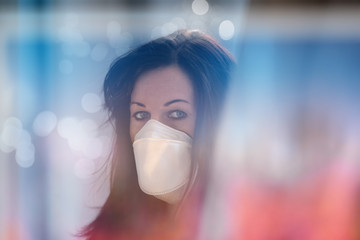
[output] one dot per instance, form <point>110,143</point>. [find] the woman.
<point>165,99</point>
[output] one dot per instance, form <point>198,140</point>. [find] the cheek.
<point>191,127</point>
<point>191,124</point>
<point>135,126</point>
<point>187,125</point>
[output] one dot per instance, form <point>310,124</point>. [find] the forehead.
<point>165,84</point>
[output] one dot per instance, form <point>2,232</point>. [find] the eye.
<point>141,115</point>
<point>177,114</point>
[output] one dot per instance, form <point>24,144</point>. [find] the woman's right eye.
<point>141,115</point>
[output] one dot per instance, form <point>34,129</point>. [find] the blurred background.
<point>291,120</point>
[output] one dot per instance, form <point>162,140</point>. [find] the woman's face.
<point>166,95</point>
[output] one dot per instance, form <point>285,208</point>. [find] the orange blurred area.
<point>323,206</point>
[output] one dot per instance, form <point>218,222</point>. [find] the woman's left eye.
<point>177,114</point>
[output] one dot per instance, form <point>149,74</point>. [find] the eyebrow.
<point>166,104</point>
<point>174,101</point>
<point>139,104</point>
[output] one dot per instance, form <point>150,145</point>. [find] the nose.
<point>159,118</point>
<point>156,117</point>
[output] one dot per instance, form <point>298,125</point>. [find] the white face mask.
<point>163,160</point>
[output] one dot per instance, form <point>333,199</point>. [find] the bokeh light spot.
<point>200,7</point>
<point>179,22</point>
<point>99,52</point>
<point>91,102</point>
<point>11,133</point>
<point>44,123</point>
<point>89,126</point>
<point>25,154</point>
<point>226,30</point>
<point>93,148</point>
<point>66,127</point>
<point>5,148</point>
<point>168,28</point>
<point>78,133</point>
<point>113,33</point>
<point>13,121</point>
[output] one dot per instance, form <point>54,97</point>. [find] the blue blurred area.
<point>30,62</point>
<point>298,66</point>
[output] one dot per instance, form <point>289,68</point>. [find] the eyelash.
<point>139,118</point>
<point>184,115</point>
